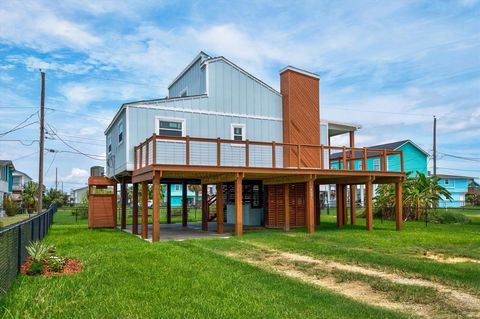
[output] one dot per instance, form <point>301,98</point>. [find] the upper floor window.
<point>109,143</point>
<point>376,164</point>
<point>120,132</point>
<point>170,127</point>
<point>447,182</point>
<point>184,92</point>
<point>238,132</point>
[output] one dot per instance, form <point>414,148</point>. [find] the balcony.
<point>194,154</point>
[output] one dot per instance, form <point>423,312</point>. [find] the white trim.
<point>207,77</point>
<point>375,162</point>
<point>198,111</point>
<point>294,69</point>
<point>233,126</point>
<point>410,141</point>
<point>185,90</point>
<point>118,132</point>
<point>159,118</point>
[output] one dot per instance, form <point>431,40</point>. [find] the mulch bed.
<point>72,266</point>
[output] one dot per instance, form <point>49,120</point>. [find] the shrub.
<point>56,263</point>
<point>10,206</point>
<point>38,251</point>
<point>35,268</point>
<point>446,217</point>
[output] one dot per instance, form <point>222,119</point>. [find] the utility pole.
<point>56,178</point>
<point>434,145</point>
<point>42,136</point>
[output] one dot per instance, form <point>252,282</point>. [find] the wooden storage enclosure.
<point>102,202</point>
<point>276,205</point>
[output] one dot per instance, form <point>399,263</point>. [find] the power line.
<point>19,125</point>
<point>23,142</point>
<point>24,156</point>
<point>474,159</point>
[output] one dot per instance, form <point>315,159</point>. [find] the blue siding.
<point>116,159</point>
<point>193,80</point>
<point>458,187</point>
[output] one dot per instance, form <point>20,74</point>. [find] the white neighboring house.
<point>79,194</point>
<point>20,179</point>
<point>6,181</point>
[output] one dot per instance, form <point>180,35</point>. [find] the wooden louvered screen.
<point>275,209</point>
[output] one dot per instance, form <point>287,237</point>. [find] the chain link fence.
<point>13,242</point>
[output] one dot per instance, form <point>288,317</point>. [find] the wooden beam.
<point>286,206</point>
<point>310,206</point>
<point>220,219</point>
<point>169,203</point>
<point>184,204</point>
<point>144,210</point>
<point>135,209</point>
<point>353,210</point>
<point>288,179</point>
<point>144,177</point>
<point>156,208</point>
<point>219,178</point>
<point>398,205</point>
<point>368,205</point>
<point>344,180</point>
<point>205,207</point>
<point>238,206</point>
<point>123,192</point>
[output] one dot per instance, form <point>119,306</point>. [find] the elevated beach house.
<point>266,151</point>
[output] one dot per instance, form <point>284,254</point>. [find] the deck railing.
<point>197,151</point>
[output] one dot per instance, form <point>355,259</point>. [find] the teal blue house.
<point>414,158</point>
<point>457,186</point>
<point>6,180</point>
<point>177,195</point>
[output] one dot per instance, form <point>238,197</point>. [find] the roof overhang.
<point>297,70</point>
<point>339,128</point>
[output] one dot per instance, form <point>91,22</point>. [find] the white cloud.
<point>76,175</point>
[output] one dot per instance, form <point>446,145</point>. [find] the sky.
<point>389,66</point>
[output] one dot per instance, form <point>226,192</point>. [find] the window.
<point>171,127</point>
<point>120,132</point>
<point>238,132</point>
<point>177,187</point>
<point>376,164</point>
<point>109,143</point>
<point>184,92</point>
<point>447,182</point>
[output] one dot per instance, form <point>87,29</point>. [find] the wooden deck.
<point>167,159</point>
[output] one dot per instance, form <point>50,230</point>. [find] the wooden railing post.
<point>298,156</point>
<point>187,150</point>
<point>401,161</point>
<point>154,149</point>
<point>364,162</point>
<point>384,160</point>
<point>141,155</point>
<point>321,156</point>
<point>219,160</point>
<point>135,158</point>
<point>344,158</point>
<point>274,157</point>
<point>247,153</point>
<point>147,152</point>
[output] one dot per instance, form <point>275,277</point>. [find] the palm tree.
<point>29,196</point>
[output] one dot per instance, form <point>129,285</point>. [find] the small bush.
<point>35,268</point>
<point>56,263</point>
<point>10,206</point>
<point>446,217</point>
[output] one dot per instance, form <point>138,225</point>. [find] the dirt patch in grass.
<point>414,296</point>
<point>449,259</point>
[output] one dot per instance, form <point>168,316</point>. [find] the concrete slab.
<point>176,232</point>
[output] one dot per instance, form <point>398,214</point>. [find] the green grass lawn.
<point>125,277</point>
<point>9,220</point>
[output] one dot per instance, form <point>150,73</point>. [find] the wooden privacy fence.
<point>14,240</point>
<point>196,151</point>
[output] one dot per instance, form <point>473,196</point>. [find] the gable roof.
<point>7,163</point>
<point>447,176</point>
<point>201,55</point>
<point>17,172</point>
<point>392,146</point>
